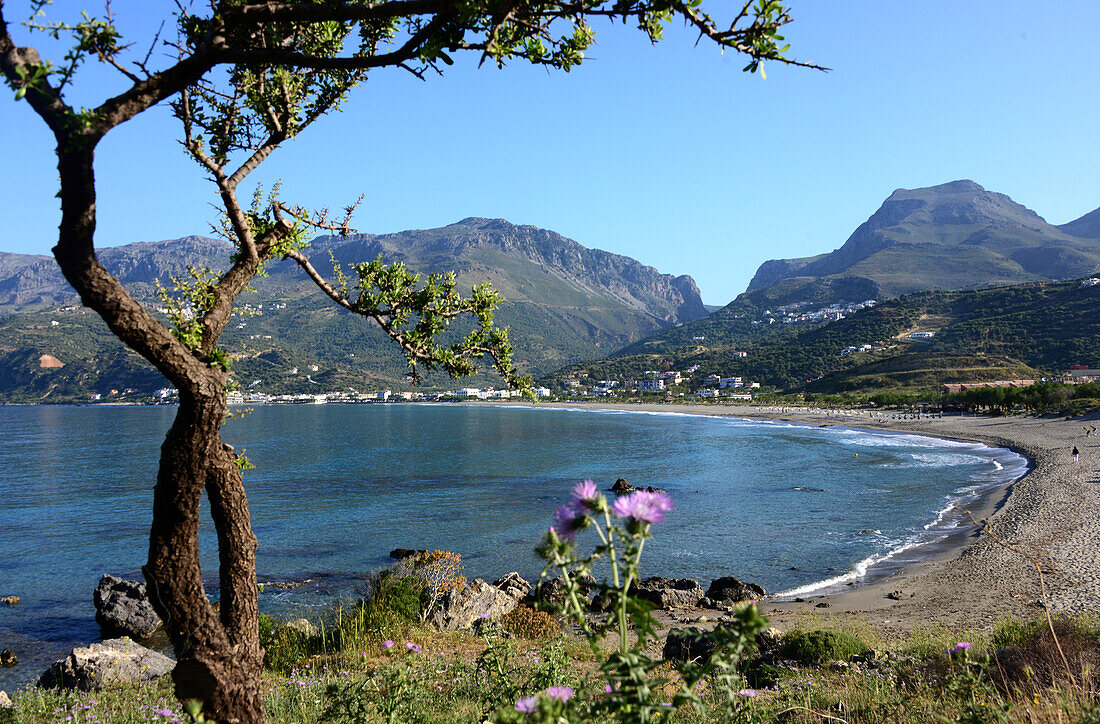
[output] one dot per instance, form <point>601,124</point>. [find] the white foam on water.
<point>859,570</point>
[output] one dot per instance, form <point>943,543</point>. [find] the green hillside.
<point>1000,333</point>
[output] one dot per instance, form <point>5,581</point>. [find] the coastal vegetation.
<point>390,668</point>
<point>1026,331</point>
<point>378,661</point>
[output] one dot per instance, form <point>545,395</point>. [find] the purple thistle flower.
<point>959,648</point>
<point>568,519</point>
<point>164,712</point>
<point>747,692</point>
<point>561,693</point>
<point>388,644</point>
<point>607,689</point>
<point>527,704</point>
<point>415,648</point>
<point>585,492</point>
<point>643,506</point>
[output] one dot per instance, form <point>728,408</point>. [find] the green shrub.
<point>815,647</point>
<point>400,595</point>
<point>765,676</point>
<point>526,623</point>
<point>267,629</point>
<point>1014,633</point>
<point>287,646</point>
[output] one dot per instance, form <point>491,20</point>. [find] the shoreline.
<point>1050,513</point>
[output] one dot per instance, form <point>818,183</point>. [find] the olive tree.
<point>243,78</point>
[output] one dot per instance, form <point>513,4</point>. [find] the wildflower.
<point>568,519</point>
<point>585,492</point>
<point>747,692</point>
<point>643,506</point>
<point>561,693</point>
<point>959,648</point>
<point>527,704</point>
<point>415,648</point>
<point>164,712</point>
<point>607,689</point>
<point>388,644</point>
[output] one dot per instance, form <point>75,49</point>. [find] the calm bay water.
<point>338,486</point>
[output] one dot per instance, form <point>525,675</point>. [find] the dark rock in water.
<point>622,486</point>
<point>108,663</point>
<point>651,489</point>
<point>668,592</point>
<point>400,554</point>
<point>475,601</point>
<point>8,658</point>
<point>804,489</point>
<point>10,600</point>
<point>684,645</point>
<point>729,591</point>
<point>122,608</point>
<point>514,585</point>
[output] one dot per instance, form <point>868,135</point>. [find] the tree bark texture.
<point>219,652</point>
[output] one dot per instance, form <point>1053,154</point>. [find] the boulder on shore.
<point>122,608</point>
<point>730,591</point>
<point>107,663</point>
<point>475,601</point>
<point>668,592</point>
<point>514,585</point>
<point>687,645</point>
<point>552,592</point>
<point>5,702</point>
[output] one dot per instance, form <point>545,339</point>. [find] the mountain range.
<point>564,303</point>
<point>568,304</point>
<point>956,235</point>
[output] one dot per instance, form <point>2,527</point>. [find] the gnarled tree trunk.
<point>219,652</point>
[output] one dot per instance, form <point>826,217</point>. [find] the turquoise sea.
<point>336,487</point>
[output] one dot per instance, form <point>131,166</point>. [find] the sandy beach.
<point>1052,515</point>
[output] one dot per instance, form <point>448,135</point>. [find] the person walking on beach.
<point>1076,454</point>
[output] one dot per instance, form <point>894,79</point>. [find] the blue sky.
<point>669,154</point>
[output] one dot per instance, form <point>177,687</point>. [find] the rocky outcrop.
<point>301,626</point>
<point>514,585</point>
<point>400,554</point>
<point>730,591</point>
<point>622,486</point>
<point>9,600</point>
<point>552,592</point>
<point>667,593</point>
<point>8,659</point>
<point>108,663</point>
<point>475,601</point>
<point>122,608</point>
<point>5,702</point>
